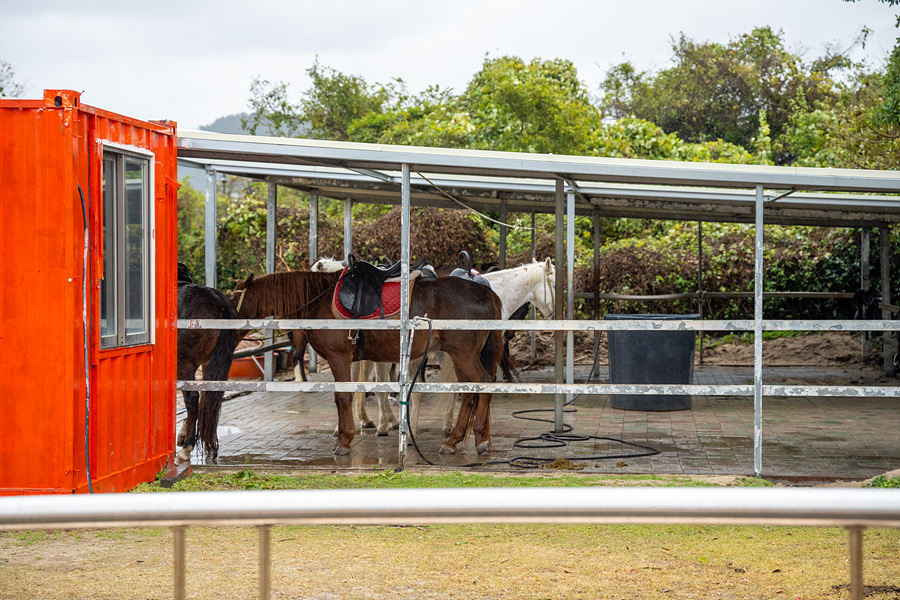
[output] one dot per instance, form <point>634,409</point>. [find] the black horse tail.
<point>216,369</point>
<point>508,365</point>
<point>299,342</point>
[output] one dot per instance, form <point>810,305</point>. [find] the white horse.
<point>515,287</point>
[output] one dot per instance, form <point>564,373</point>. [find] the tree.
<point>336,100</point>
<point>539,106</point>
<point>865,132</point>
<point>272,111</point>
<point>9,87</point>
<point>716,92</point>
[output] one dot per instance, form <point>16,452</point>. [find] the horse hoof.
<point>184,456</point>
<point>381,432</point>
<point>341,450</point>
<point>482,448</point>
<point>447,449</point>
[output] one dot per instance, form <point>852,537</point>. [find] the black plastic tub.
<point>651,357</point>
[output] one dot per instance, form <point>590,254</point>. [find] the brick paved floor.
<point>803,438</point>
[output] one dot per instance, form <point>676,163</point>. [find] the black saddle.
<point>464,270</point>
<point>361,285</point>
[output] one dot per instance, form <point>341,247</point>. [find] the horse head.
<point>543,299</point>
<point>327,265</point>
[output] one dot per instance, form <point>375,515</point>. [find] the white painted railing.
<point>853,509</point>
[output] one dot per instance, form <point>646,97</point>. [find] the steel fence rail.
<point>555,325</point>
<point>853,509</point>
<point>885,391</point>
<point>879,391</point>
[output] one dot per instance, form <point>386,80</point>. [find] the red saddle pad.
<point>390,298</point>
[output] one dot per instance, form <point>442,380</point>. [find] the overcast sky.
<point>192,61</point>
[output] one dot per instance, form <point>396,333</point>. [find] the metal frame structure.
<point>853,509</point>
<point>565,185</point>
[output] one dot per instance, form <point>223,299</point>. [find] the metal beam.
<point>208,145</point>
<point>570,292</point>
<point>503,232</point>
<point>559,250</point>
<point>889,342</point>
<point>271,220</point>
<point>865,249</point>
<point>790,506</point>
<point>757,335</point>
<point>210,229</point>
<point>348,227</point>
<point>403,373</point>
<point>313,366</point>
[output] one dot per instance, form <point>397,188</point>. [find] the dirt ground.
<point>816,349</point>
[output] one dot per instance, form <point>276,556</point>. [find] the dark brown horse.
<point>306,295</point>
<point>208,347</point>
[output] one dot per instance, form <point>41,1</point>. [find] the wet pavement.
<point>804,438</point>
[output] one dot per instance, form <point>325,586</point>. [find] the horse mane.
<point>286,295</point>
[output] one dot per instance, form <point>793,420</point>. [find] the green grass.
<point>883,481</point>
<point>249,480</point>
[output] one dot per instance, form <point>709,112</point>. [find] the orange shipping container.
<point>88,246</point>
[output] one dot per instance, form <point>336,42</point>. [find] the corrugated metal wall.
<point>48,148</point>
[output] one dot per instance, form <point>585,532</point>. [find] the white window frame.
<point>120,338</point>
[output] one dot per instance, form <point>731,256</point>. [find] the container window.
<point>125,287</point>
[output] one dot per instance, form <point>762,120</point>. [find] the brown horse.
<point>305,295</point>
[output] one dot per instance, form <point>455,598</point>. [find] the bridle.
<point>549,287</point>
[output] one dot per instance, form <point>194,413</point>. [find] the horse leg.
<point>447,401</point>
<point>481,425</point>
<point>474,408</point>
<point>361,372</point>
<point>357,370</point>
<point>386,419</point>
<point>466,408</point>
<point>343,401</point>
<point>187,435</point>
<point>298,348</point>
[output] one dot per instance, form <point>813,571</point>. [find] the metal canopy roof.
<point>527,182</point>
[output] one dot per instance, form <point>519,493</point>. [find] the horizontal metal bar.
<point>706,294</point>
<point>746,506</point>
<point>547,388</point>
<point>561,325</point>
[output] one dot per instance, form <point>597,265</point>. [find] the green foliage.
<point>335,100</point>
<point>631,137</point>
<point>716,92</point>
<point>191,232</point>
<point>662,259</point>
<point>539,106</point>
<point>272,111</point>
<point>888,114</point>
<point>883,481</point>
<point>249,480</point>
